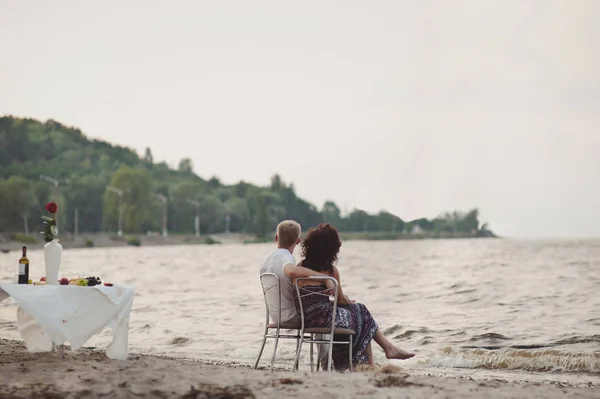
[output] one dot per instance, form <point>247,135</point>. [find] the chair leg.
<point>296,363</point>
<point>330,355</point>
<point>319,358</point>
<point>262,348</point>
<point>319,349</point>
<point>312,338</point>
<point>350,353</point>
<point>275,350</point>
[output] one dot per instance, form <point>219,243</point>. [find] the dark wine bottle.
<point>24,268</point>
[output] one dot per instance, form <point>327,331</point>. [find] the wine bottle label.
<point>22,269</point>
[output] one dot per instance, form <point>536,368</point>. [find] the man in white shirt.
<point>283,263</point>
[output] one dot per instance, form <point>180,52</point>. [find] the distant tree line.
<point>77,171</point>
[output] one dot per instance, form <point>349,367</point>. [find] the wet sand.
<point>88,373</point>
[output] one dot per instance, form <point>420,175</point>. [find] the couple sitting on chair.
<point>320,249</point>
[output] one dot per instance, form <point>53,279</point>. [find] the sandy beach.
<point>88,373</point>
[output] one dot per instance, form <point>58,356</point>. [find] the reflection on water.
<point>477,304</point>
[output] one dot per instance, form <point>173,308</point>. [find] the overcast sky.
<point>416,107</point>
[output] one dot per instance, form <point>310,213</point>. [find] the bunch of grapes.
<point>92,281</point>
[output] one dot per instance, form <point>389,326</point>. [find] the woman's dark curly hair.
<point>320,248</point>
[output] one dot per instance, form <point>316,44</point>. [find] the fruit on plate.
<point>108,284</point>
<point>78,281</point>
<point>92,281</point>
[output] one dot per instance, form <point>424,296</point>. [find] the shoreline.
<point>103,240</point>
<point>106,240</point>
<point>89,373</point>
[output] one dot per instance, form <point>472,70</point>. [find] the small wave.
<point>436,296</point>
<point>426,340</point>
<point>143,309</point>
<point>469,301</point>
<point>578,340</point>
<point>498,347</point>
<point>489,336</point>
<point>409,333</point>
<point>392,329</point>
<point>532,346</point>
<point>488,347</point>
<point>464,291</point>
<point>514,359</point>
<point>178,341</point>
<point>578,262</point>
<point>8,325</point>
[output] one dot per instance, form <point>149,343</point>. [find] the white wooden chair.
<point>332,331</point>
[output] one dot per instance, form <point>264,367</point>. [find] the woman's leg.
<point>391,351</point>
<point>370,353</point>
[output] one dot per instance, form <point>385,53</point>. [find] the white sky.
<point>415,107</point>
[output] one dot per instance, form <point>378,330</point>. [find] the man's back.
<point>274,263</point>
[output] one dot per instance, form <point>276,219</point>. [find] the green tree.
<point>261,219</point>
<point>241,189</point>
<point>276,183</point>
<point>389,222</point>
<point>16,202</point>
<point>182,212</point>
<point>471,220</point>
<point>239,212</point>
<point>212,214</point>
<point>421,224</point>
<point>186,166</point>
<point>332,214</point>
<point>85,193</point>
<point>214,182</point>
<point>137,200</point>
<point>358,220</point>
<point>148,158</point>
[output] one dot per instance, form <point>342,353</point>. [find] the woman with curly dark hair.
<point>320,249</point>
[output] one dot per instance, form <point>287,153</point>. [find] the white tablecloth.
<point>59,314</point>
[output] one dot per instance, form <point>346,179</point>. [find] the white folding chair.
<point>331,330</point>
<point>270,282</point>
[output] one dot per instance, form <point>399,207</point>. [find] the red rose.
<point>52,207</point>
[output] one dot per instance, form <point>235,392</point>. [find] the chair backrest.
<point>271,290</point>
<point>302,292</point>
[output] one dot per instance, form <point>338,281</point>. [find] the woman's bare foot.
<point>397,353</point>
<point>391,351</point>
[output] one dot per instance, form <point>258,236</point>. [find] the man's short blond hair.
<point>288,233</point>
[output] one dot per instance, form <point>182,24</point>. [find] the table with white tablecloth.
<point>58,314</point>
